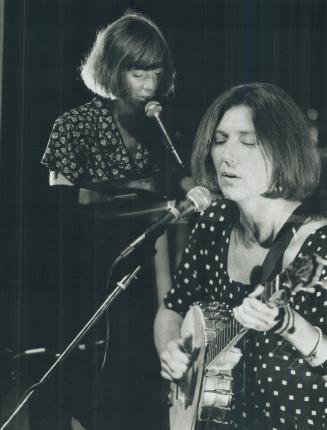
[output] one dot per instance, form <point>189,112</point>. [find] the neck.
<point>128,116</point>
<point>261,219</point>
<point>121,107</point>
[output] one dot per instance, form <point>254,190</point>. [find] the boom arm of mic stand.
<point>169,143</point>
<point>121,286</point>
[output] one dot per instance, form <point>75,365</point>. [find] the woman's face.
<point>243,170</point>
<point>142,85</point>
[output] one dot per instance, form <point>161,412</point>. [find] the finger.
<point>320,260</point>
<point>175,370</point>
<point>232,354</point>
<point>166,376</point>
<point>238,315</point>
<point>322,284</point>
<point>195,354</point>
<point>173,365</point>
<point>176,360</point>
<point>259,289</point>
<point>255,305</point>
<point>243,318</point>
<point>229,359</point>
<point>176,353</point>
<point>234,357</point>
<point>253,320</point>
<point>259,311</point>
<point>187,342</point>
<point>235,350</point>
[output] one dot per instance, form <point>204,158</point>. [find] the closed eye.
<point>219,139</point>
<point>141,74</point>
<point>138,74</point>
<point>248,139</point>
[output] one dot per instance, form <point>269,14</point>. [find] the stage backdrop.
<point>215,43</point>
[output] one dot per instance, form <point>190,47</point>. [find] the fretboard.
<point>231,333</point>
<point>301,272</point>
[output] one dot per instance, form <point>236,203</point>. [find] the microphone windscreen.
<point>200,197</point>
<point>153,108</point>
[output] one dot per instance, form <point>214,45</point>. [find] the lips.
<point>230,175</point>
<point>147,96</point>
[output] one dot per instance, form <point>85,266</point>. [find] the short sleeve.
<point>65,152</point>
<point>191,278</point>
<point>313,306</point>
<point>186,287</point>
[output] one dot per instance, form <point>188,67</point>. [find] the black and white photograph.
<point>163,214</point>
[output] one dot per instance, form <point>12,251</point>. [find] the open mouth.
<point>229,175</point>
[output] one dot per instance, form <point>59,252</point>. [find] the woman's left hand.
<point>254,314</point>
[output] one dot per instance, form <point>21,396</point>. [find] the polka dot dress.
<point>275,389</point>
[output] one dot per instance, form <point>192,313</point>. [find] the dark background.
<point>215,43</point>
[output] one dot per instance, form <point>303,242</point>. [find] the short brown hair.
<point>282,130</point>
<point>133,41</point>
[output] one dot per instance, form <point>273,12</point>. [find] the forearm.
<point>162,267</point>
<point>58,179</point>
<point>167,326</point>
<point>305,337</point>
<point>290,325</point>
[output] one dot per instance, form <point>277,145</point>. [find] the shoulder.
<point>311,238</point>
<point>220,212</point>
<point>219,216</point>
<point>85,113</point>
<point>316,236</point>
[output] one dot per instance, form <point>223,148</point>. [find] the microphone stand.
<point>168,142</point>
<point>121,286</point>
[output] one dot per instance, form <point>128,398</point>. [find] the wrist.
<point>312,355</point>
<point>285,321</point>
<point>315,356</point>
<point>320,369</point>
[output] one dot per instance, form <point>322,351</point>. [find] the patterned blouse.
<point>275,388</point>
<point>85,146</point>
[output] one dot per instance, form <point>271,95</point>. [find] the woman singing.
<point>110,136</point>
<point>106,140</point>
<point>254,149</point>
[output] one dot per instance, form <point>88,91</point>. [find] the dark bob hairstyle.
<point>131,42</point>
<point>282,130</point>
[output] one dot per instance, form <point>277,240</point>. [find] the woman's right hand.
<point>178,357</point>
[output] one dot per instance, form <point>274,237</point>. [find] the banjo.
<point>205,393</point>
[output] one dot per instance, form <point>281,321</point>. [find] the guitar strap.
<point>272,264</point>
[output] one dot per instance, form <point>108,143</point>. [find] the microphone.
<point>197,200</point>
<point>153,110</point>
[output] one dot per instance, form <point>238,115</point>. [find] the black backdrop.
<point>215,43</point>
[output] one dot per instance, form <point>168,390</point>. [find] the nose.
<point>150,83</point>
<point>229,155</point>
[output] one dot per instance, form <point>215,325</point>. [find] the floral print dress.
<point>85,146</point>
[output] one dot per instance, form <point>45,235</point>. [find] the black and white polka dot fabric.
<point>275,388</point>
